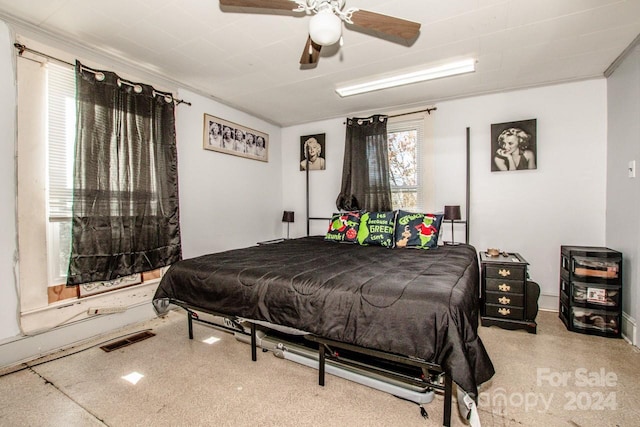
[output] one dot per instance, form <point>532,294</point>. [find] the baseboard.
<point>22,349</point>
<point>629,329</point>
<point>548,302</point>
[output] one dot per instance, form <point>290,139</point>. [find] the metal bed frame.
<point>433,375</point>
<point>428,368</point>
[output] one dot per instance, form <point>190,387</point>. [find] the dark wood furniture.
<point>591,290</point>
<point>504,292</point>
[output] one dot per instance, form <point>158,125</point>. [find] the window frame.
<point>410,123</point>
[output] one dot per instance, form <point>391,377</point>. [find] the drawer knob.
<point>504,272</point>
<point>504,287</point>
<point>504,300</point>
<point>504,311</point>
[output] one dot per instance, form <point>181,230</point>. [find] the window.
<point>60,131</point>
<point>405,139</point>
<point>46,119</point>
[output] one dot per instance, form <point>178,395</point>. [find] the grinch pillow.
<point>417,230</point>
<point>376,228</point>
<point>343,227</point>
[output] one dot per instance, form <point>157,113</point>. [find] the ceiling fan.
<point>325,27</point>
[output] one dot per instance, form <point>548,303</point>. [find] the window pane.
<point>405,200</point>
<point>59,248</point>
<point>61,123</point>
<point>404,164</point>
<point>64,238</point>
<point>403,156</point>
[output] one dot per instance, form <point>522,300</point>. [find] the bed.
<point>418,304</point>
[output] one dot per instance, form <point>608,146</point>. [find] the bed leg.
<point>321,360</point>
<point>254,355</point>
<point>448,391</point>
<point>190,323</point>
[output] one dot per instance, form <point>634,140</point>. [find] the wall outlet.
<point>632,169</point>
<point>106,310</point>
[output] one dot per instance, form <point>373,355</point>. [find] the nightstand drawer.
<point>503,271</point>
<point>511,286</point>
<point>503,298</point>
<point>506,312</point>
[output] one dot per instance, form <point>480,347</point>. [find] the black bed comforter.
<point>413,302</point>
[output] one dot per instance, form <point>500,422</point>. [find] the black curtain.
<point>125,193</point>
<point>365,172</point>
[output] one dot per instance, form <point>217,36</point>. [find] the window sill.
<point>60,313</point>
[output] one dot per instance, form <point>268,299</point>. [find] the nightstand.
<point>504,292</point>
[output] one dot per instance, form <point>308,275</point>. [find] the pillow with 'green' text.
<point>376,228</point>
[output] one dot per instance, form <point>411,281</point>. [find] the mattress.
<point>412,302</point>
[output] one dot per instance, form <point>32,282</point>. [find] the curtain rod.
<point>22,48</point>
<point>426,110</point>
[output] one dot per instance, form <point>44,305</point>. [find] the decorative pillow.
<point>376,228</point>
<point>343,227</point>
<point>417,230</point>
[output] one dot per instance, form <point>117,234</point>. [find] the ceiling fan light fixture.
<point>325,28</point>
<point>405,78</point>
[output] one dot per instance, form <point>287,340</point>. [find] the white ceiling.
<point>250,60</point>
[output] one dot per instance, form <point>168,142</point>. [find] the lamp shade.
<point>452,212</point>
<point>325,28</point>
<point>287,216</point>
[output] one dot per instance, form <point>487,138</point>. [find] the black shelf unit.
<point>591,290</point>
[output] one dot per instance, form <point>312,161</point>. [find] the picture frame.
<point>228,137</point>
<point>317,144</point>
<point>514,146</point>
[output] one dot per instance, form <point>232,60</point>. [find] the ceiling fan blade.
<point>386,24</point>
<point>311,53</point>
<point>261,4</point>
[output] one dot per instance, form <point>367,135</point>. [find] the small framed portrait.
<point>514,146</point>
<point>231,138</point>
<point>312,152</point>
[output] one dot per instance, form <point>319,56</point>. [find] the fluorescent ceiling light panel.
<point>446,70</point>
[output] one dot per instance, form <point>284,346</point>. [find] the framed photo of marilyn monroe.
<point>514,146</point>
<point>314,147</point>
<point>231,138</point>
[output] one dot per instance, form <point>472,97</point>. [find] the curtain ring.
<point>137,89</point>
<point>100,76</point>
<point>168,99</point>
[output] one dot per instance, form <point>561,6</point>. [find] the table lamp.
<point>452,213</point>
<point>287,217</point>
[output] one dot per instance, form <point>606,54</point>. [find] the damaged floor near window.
<point>554,378</point>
